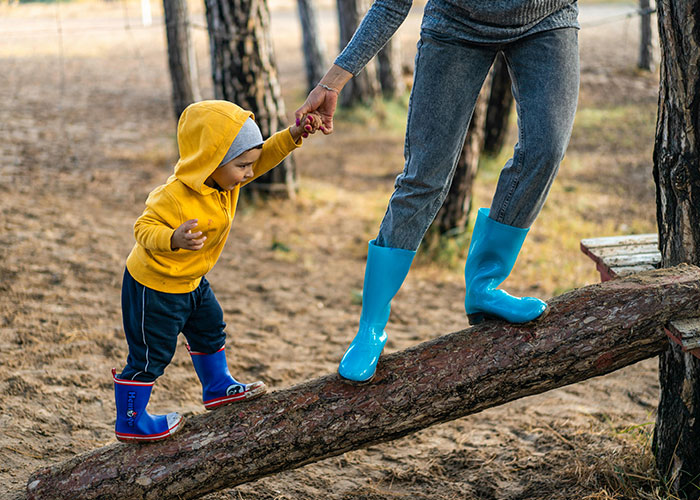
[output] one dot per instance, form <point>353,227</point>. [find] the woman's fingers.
<point>312,103</point>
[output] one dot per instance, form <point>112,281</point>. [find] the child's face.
<point>231,174</point>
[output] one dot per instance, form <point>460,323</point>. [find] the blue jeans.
<point>153,320</point>
<point>448,76</point>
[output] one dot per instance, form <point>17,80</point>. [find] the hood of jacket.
<point>205,131</point>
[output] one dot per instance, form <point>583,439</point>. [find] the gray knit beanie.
<point>248,137</point>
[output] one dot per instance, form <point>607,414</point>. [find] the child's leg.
<point>205,335</point>
<point>152,322</point>
<point>204,329</point>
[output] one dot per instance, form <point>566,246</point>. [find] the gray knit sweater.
<point>476,21</point>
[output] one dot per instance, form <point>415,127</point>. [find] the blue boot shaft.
<point>385,272</point>
<point>493,251</point>
<point>218,386</point>
<point>134,423</point>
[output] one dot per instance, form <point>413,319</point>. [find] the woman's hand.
<point>324,97</point>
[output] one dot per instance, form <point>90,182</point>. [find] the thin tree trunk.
<point>181,55</point>
<point>677,177</point>
<point>389,62</point>
<point>499,108</point>
<point>646,57</point>
<point>244,72</point>
<point>454,213</point>
<point>589,332</point>
<point>312,43</point>
<point>364,87</point>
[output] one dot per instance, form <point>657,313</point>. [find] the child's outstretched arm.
<point>277,148</point>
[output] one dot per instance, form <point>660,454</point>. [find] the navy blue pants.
<point>153,320</point>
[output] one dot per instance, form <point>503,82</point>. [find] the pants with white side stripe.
<point>153,320</point>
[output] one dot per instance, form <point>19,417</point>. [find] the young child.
<point>179,237</point>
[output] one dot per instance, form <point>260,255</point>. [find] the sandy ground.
<point>87,131</point>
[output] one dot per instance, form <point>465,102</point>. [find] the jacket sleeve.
<point>154,229</point>
<point>379,24</point>
<point>274,150</point>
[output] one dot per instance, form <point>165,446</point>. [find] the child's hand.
<point>183,237</point>
<point>309,124</point>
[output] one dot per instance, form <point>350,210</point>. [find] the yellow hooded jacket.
<point>205,132</point>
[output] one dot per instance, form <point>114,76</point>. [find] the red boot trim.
<point>251,391</point>
<point>149,438</point>
<point>122,381</point>
<point>196,353</point>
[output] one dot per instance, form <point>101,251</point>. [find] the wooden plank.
<point>604,252</point>
<point>622,255</point>
<point>687,331</point>
<point>611,241</point>
<point>633,260</point>
<point>627,270</point>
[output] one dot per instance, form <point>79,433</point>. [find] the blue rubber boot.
<point>134,423</point>
<point>492,253</point>
<point>218,386</point>
<point>384,274</point>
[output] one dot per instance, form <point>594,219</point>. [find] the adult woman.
<point>459,41</point>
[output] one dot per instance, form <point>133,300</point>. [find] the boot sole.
<point>253,393</point>
<point>150,439</point>
<point>357,382</point>
<point>478,318</point>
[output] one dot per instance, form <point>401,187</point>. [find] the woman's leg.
<point>447,79</point>
<point>544,69</point>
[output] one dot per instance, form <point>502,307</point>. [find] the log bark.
<point>364,87</point>
<point>389,68</point>
<point>677,177</point>
<point>646,56</point>
<point>312,43</point>
<point>181,56</point>
<point>589,332</point>
<point>499,108</point>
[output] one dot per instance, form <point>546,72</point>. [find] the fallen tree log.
<point>588,332</point>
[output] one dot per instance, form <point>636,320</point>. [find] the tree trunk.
<point>589,332</point>
<point>181,55</point>
<point>364,87</point>
<point>389,62</point>
<point>499,107</point>
<point>454,213</point>
<point>646,58</point>
<point>312,43</point>
<point>677,177</point>
<point>244,72</point>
